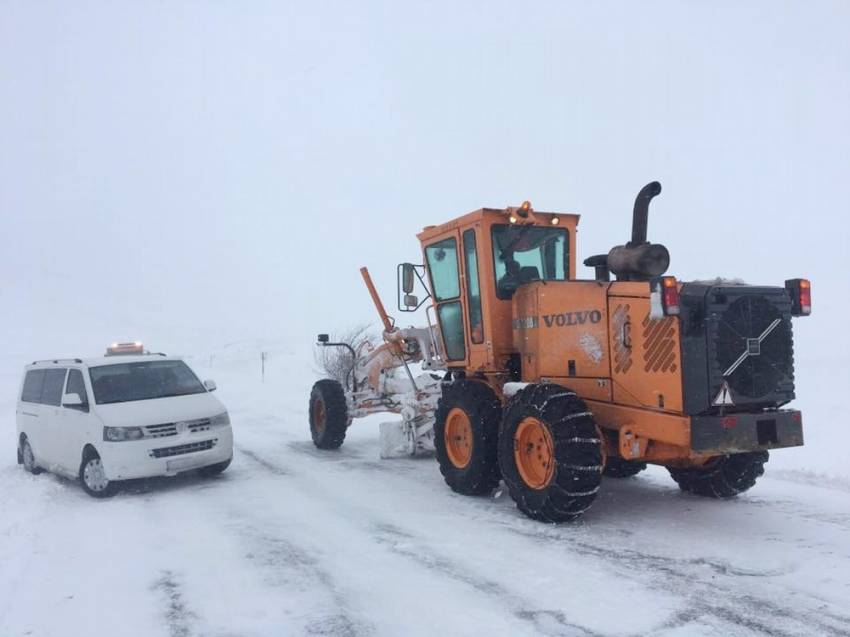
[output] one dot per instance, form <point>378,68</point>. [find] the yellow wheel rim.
<point>534,453</point>
<point>458,437</point>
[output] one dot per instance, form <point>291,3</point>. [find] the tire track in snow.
<point>705,596</point>
<point>286,564</point>
<point>801,510</point>
<point>178,618</point>
<point>354,461</point>
<point>726,602</point>
<point>546,622</point>
<point>268,466</point>
<point>275,554</point>
<point>551,623</point>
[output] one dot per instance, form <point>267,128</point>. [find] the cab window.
<point>442,264</point>
<point>522,254</point>
<point>76,385</point>
<point>473,290</point>
<point>442,260</point>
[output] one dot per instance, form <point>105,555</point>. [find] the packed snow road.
<point>295,541</point>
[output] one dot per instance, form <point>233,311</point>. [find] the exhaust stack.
<point>640,260</point>
<point>640,217</point>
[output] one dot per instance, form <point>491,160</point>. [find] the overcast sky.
<point>220,170</point>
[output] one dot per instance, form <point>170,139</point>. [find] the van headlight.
<point>118,434</point>
<point>220,420</point>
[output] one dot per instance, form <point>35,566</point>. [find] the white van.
<point>108,419</point>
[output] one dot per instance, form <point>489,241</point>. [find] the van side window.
<point>33,382</point>
<point>76,385</point>
<point>51,391</point>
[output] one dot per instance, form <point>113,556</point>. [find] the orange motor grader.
<point>549,381</point>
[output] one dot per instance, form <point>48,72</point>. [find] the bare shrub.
<point>336,362</point>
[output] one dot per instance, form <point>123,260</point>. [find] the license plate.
<point>183,464</point>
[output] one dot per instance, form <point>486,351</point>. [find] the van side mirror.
<point>73,401</point>
<point>411,300</point>
<point>407,274</point>
<point>210,385</point>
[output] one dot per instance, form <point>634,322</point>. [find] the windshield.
<point>528,253</point>
<point>126,382</point>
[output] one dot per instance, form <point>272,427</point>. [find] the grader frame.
<point>546,380</point>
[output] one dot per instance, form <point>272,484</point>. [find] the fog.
<point>192,174</point>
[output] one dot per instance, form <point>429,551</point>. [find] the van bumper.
<point>738,433</point>
<point>166,456</point>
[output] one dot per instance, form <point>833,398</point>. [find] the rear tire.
<point>619,468</point>
<point>466,430</point>
<point>328,414</point>
<point>724,477</point>
<point>92,477</point>
<point>214,469</point>
<point>550,453</point>
<point>28,458</point>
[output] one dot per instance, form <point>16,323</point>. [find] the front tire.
<point>328,414</point>
<point>550,453</point>
<point>466,429</point>
<point>28,458</point>
<point>723,477</point>
<point>93,478</point>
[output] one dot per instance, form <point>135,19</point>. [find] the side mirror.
<point>411,300</point>
<point>407,274</point>
<point>210,385</point>
<point>72,400</point>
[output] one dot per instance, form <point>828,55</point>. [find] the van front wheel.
<point>93,478</point>
<point>28,458</point>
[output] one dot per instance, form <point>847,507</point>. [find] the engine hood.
<point>142,413</point>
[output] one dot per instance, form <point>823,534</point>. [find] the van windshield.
<point>126,382</point>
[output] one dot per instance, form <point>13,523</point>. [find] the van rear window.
<point>44,386</point>
<point>33,382</point>
<point>126,382</point>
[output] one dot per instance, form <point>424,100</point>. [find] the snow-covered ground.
<point>294,541</point>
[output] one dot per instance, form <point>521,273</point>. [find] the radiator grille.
<point>198,425</point>
<point>173,428</point>
<point>179,450</point>
<point>161,431</point>
<point>754,347</point>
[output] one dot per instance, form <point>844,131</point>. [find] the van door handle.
<point>26,413</point>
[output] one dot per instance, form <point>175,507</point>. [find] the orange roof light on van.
<point>118,349</point>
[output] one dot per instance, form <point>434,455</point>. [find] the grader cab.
<point>547,381</point>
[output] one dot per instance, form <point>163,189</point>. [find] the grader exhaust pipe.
<point>640,260</point>
<point>640,216</point>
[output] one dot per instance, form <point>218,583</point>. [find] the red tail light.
<point>670,295</point>
<point>801,296</point>
<point>664,293</point>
